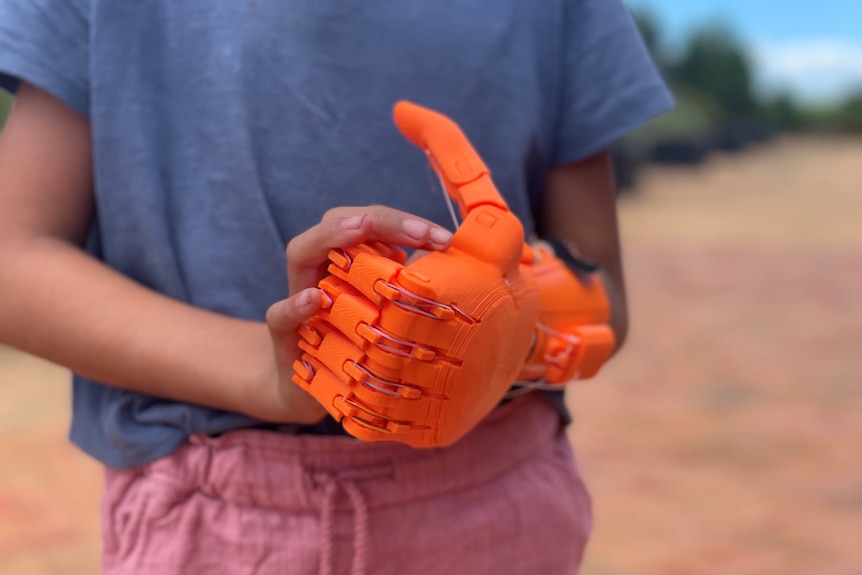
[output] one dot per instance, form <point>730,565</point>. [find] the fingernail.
<point>305,299</point>
<point>353,222</point>
<point>415,229</point>
<point>440,236</point>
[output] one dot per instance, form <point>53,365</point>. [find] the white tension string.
<point>432,163</point>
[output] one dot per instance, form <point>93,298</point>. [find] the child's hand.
<point>306,266</point>
<point>350,226</point>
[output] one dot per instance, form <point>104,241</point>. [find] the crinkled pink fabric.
<point>507,498</point>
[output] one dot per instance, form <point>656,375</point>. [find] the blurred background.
<point>726,437</point>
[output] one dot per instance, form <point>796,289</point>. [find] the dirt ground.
<point>724,439</point>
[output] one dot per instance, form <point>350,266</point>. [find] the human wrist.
<point>570,254</point>
<point>268,394</point>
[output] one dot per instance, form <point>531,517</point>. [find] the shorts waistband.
<point>290,472</point>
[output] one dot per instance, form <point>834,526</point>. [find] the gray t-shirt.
<point>221,129</point>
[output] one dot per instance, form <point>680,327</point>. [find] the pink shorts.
<point>507,498</point>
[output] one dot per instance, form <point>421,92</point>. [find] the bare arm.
<point>59,303</point>
<point>579,205</point>
<point>63,305</point>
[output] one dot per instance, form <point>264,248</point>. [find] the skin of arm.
<point>61,304</point>
<point>579,207</point>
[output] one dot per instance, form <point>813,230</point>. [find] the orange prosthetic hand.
<point>421,353</point>
<point>573,338</point>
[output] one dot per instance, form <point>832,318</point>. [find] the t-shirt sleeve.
<point>610,82</point>
<point>46,43</point>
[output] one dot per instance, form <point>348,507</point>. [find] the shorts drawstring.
<point>346,481</point>
<point>255,501</point>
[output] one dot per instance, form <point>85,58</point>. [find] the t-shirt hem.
<point>115,461</point>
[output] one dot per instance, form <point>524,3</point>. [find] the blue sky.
<point>812,48</point>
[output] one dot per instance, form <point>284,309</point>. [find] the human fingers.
<point>289,403</point>
<point>285,317</point>
<point>349,226</point>
<point>397,227</point>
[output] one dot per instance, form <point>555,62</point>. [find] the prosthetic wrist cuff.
<point>573,338</point>
<point>569,255</point>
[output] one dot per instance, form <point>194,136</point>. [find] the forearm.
<point>61,304</point>
<point>619,321</point>
<point>579,207</point>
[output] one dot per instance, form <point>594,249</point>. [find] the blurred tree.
<point>682,136</point>
<point>6,100</point>
<point>850,114</point>
<point>715,63</point>
<point>711,78</point>
<point>651,32</point>
<point>782,113</point>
